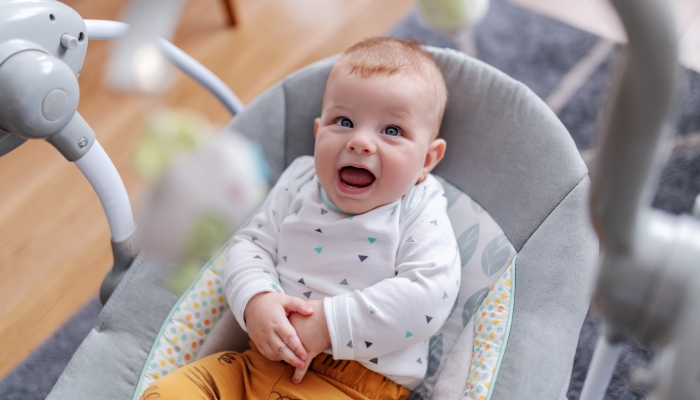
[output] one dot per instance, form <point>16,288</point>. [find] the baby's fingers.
<point>288,335</point>
<point>294,304</point>
<point>285,352</point>
<point>300,372</point>
<point>288,355</point>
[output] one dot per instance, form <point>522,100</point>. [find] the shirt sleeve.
<point>409,308</point>
<point>252,253</point>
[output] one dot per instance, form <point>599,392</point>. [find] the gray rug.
<point>35,376</point>
<point>540,52</point>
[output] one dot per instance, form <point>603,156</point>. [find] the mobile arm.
<point>648,275</point>
<point>42,49</point>
<point>104,30</point>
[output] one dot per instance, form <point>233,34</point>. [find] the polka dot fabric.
<point>189,325</point>
<point>491,324</point>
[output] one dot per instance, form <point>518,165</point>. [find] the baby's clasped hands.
<point>270,329</point>
<point>312,330</point>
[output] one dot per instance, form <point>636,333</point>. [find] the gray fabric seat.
<point>506,149</point>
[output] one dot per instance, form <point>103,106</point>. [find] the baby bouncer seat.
<point>517,191</point>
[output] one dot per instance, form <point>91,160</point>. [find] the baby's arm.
<point>409,308</point>
<point>252,282</point>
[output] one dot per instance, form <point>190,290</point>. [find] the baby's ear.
<point>436,150</point>
<point>316,122</point>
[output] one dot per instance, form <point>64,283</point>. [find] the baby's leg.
<point>250,375</point>
<point>339,380</point>
<point>227,375</point>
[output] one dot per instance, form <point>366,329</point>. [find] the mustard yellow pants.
<point>250,375</point>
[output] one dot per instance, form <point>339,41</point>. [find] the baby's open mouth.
<point>356,177</point>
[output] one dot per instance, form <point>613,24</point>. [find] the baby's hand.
<point>268,326</point>
<point>313,332</point>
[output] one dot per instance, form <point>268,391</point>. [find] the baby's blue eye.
<point>344,122</point>
<point>392,131</point>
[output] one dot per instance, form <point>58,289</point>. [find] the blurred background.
<point>54,238</point>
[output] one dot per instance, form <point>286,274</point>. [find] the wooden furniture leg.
<point>230,7</point>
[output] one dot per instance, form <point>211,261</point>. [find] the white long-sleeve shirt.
<point>388,278</point>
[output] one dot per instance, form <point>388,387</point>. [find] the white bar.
<point>601,369</point>
<point>104,178</point>
<point>105,30</point>
<point>195,70</point>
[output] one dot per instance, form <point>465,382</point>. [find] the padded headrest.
<point>505,147</point>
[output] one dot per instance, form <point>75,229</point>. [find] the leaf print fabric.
<point>495,255</point>
<point>467,243</point>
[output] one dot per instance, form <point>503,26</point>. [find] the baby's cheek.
<point>401,176</point>
<point>324,165</point>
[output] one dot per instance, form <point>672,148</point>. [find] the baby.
<point>352,254</point>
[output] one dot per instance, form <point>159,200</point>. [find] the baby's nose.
<point>361,143</point>
<point>362,149</point>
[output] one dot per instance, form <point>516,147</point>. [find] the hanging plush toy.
<point>452,15</point>
<point>202,189</point>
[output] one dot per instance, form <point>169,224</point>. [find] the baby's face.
<point>374,139</point>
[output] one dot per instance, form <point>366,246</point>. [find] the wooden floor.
<point>54,238</point>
